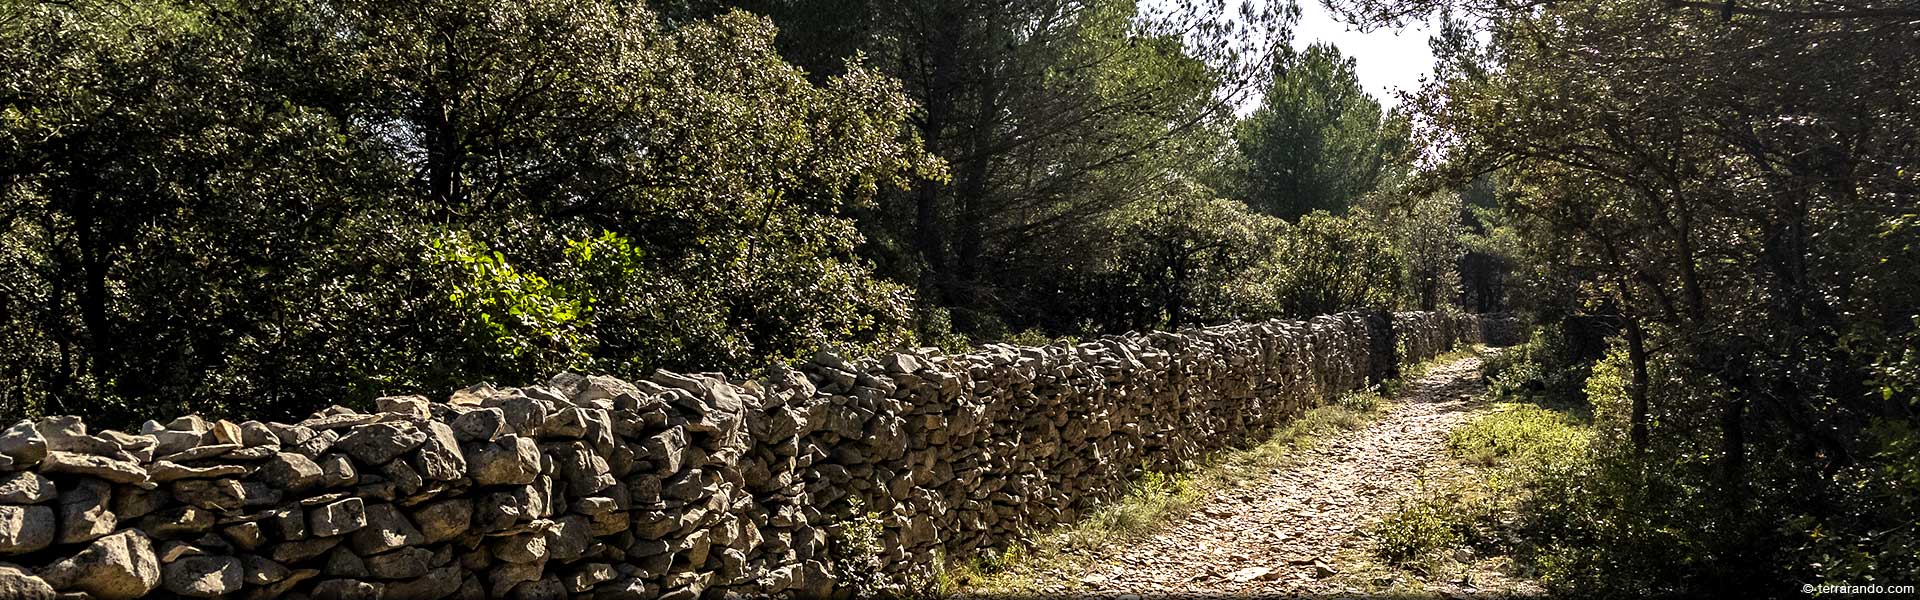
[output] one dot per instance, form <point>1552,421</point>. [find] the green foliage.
<point>857,548</point>
<point>1415,532</point>
<point>1716,185</point>
<point>1069,126</point>
<point>1318,141</point>
<point>519,313</point>
<point>1519,434</point>
<point>1181,260</point>
<point>1579,509</point>
<point>1871,538</point>
<point>272,207</point>
<point>1324,263</point>
<point>1570,512</point>
<point>1545,369</point>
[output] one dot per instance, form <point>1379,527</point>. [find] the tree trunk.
<point>1637,354</point>
<point>930,237</point>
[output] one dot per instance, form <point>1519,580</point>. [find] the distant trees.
<point>1054,116</point>
<point>1318,141</point>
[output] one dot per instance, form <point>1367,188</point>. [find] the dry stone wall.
<point>807,481</point>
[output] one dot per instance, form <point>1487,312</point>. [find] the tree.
<point>1053,116</point>
<point>1318,141</point>
<point>1720,181</point>
<point>1190,256</point>
<point>272,206</point>
<point>1325,263</point>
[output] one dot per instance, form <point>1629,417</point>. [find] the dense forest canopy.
<point>265,207</point>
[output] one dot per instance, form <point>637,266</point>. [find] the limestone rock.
<point>668,449</point>
<point>569,538</point>
<point>503,578</point>
<point>179,521</point>
<point>337,471</point>
<point>117,471</point>
<point>545,588</point>
<point>17,584</point>
<point>440,456</point>
<point>84,516</point>
<point>403,563</point>
<point>444,520</point>
<point>218,495</point>
<point>245,535</point>
<point>480,425</point>
<point>262,571</point>
<point>510,460</point>
<point>201,452</point>
<point>25,529</point>
<point>386,529</point>
<point>66,433</point>
<point>584,471</point>
<point>254,434</point>
<point>524,416</point>
<point>344,563</point>
<point>24,444</point>
<point>525,547</point>
<point>166,470</point>
<point>412,407</point>
<point>337,518</point>
<point>26,487</point>
<point>346,589</point>
<point>380,443</point>
<point>438,583</point>
<point>300,551</point>
<point>568,423</point>
<point>290,471</point>
<point>203,576</point>
<point>120,566</point>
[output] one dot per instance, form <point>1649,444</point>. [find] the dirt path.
<point>1285,535</point>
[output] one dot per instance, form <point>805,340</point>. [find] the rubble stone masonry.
<point>806,481</point>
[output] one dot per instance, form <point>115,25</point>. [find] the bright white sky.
<point>1387,59</point>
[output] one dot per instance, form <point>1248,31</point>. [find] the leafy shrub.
<point>857,547</point>
<point>1415,531</point>
<point>1545,368</point>
<point>1519,435</point>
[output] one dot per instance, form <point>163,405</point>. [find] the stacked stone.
<point>1424,335</point>
<point>676,486</point>
<point>966,452</point>
<point>1502,330</point>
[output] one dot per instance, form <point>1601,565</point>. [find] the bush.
<point>1415,532</point>
<point>1520,436</point>
<point>1545,368</point>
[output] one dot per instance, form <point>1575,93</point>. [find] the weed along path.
<point>1295,527</point>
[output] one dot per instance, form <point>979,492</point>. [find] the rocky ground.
<point>1300,531</point>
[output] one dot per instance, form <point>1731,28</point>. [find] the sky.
<point>1387,59</point>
